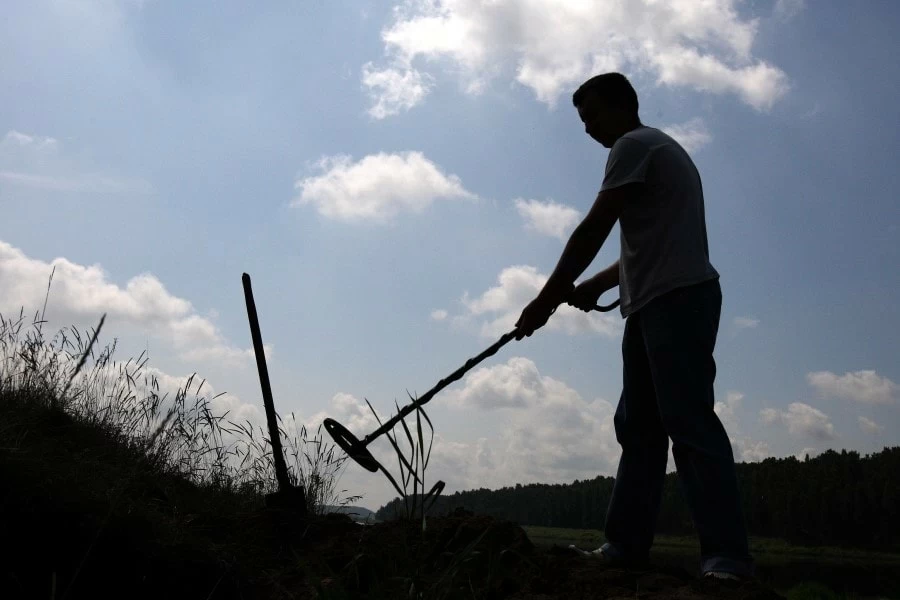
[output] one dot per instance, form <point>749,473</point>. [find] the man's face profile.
<point>596,119</point>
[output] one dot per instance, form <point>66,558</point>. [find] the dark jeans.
<point>667,392</point>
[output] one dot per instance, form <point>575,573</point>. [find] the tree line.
<point>833,498</point>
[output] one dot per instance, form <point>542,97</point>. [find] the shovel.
<point>358,449</point>
<point>288,496</point>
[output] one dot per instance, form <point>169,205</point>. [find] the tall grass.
<point>412,468</point>
<point>177,432</point>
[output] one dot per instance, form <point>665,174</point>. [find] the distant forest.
<point>834,498</point>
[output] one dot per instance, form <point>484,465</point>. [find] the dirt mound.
<point>474,556</point>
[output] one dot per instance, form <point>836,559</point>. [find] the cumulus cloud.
<point>692,135</point>
<point>548,218</point>
<point>746,322</point>
<point>439,314</point>
<point>866,386</point>
<point>498,308</point>
<point>750,451</point>
<point>725,410</point>
<point>516,384</point>
<point>870,426</point>
<point>785,10</point>
<point>394,90</point>
<point>80,294</point>
<point>349,411</point>
<point>812,452</point>
<point>377,187</point>
<point>551,46</point>
<point>226,405</point>
<point>744,448</point>
<point>34,161</point>
<point>551,433</point>
<point>802,419</point>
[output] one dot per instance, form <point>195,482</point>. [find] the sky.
<point>400,179</point>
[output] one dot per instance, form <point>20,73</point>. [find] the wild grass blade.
<point>84,356</point>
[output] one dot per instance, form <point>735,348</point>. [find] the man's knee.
<point>646,435</point>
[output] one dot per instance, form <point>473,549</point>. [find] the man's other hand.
<point>585,295</point>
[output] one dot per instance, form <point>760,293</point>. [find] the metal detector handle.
<point>599,307</point>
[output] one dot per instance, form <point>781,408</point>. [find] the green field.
<point>849,573</point>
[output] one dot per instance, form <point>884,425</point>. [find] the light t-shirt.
<point>663,230</point>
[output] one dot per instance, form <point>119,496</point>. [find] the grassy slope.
<point>80,510</point>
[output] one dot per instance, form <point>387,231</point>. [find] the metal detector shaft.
<point>281,472</point>
<point>357,448</point>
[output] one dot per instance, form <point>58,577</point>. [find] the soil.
<point>473,556</point>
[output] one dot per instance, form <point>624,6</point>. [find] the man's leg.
<point>634,506</point>
<point>680,331</point>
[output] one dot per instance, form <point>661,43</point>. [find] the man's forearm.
<point>580,250</point>
<point>608,278</point>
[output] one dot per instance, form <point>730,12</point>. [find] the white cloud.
<point>786,10</point>
<point>377,187</point>
<point>770,416</point>
<point>759,85</point>
<point>33,161</point>
<point>750,451</point>
<point>548,218</point>
<point>725,410</point>
<point>551,434</point>
<point>225,405</point>
<point>516,384</point>
<point>394,90</point>
<point>38,143</point>
<point>498,308</point>
<point>439,314</point>
<point>350,412</point>
<point>802,419</point>
<point>744,448</point>
<point>551,46</point>
<point>80,294</point>
<point>746,322</point>
<point>692,135</point>
<point>861,386</point>
<point>801,456</point>
<point>870,426</point>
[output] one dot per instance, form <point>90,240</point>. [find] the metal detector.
<point>358,449</point>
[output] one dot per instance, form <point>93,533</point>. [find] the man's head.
<point>608,107</point>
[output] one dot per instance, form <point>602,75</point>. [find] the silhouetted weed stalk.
<point>177,432</point>
<point>413,467</point>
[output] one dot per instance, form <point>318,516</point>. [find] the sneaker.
<point>722,575</point>
<point>609,555</point>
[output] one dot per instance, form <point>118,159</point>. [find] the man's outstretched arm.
<point>582,247</point>
<point>587,239</point>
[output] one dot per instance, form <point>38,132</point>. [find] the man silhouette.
<point>671,300</point>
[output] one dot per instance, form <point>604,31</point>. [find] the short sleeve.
<point>627,163</point>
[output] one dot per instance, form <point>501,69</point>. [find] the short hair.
<point>614,89</point>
